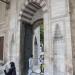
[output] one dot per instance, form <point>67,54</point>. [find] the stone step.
<point>35,74</point>
<point>2,70</point>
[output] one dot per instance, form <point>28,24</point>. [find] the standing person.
<point>30,65</point>
<point>12,70</point>
<point>42,63</point>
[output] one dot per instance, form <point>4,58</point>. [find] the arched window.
<point>38,40</point>
<point>35,52</point>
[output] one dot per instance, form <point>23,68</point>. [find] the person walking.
<point>30,65</point>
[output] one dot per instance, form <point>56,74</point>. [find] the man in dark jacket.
<point>12,70</point>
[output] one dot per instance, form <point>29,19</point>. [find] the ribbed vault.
<point>30,8</point>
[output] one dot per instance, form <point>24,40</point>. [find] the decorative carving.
<point>57,34</point>
<point>59,52</point>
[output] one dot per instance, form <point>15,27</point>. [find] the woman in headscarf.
<point>12,70</point>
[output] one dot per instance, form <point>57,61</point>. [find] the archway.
<point>29,14</point>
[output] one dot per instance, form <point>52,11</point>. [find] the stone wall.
<point>4,28</point>
<point>58,13</point>
<point>72,14</point>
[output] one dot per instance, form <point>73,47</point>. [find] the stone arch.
<point>42,3</point>
<point>30,7</point>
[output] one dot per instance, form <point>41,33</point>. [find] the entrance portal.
<point>31,34</point>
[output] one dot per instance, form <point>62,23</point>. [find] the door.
<point>25,47</point>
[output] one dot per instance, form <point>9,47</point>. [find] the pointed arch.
<point>35,51</point>
<point>30,7</point>
<point>35,42</point>
<point>41,3</point>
